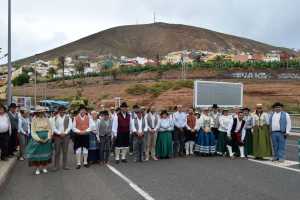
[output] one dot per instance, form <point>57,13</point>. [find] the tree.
<point>51,73</point>
<point>21,79</point>
<point>61,65</point>
<point>79,67</point>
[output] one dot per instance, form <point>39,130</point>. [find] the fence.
<point>295,118</point>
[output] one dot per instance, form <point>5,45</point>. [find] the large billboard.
<point>224,94</point>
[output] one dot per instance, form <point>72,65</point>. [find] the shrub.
<point>21,79</point>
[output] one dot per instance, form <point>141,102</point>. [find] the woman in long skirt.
<point>94,154</point>
<point>261,137</point>
<point>224,121</point>
<point>39,148</point>
<point>249,136</point>
<point>205,142</point>
<point>164,147</point>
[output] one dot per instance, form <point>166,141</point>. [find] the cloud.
<point>42,25</point>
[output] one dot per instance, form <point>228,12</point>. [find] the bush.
<point>21,79</point>
<point>156,89</point>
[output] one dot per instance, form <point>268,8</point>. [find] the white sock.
<point>117,153</point>
<point>242,153</point>
<point>230,150</point>
<point>187,148</point>
<point>124,153</point>
<point>78,158</point>
<point>192,148</point>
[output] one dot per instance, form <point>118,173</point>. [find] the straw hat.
<point>40,109</point>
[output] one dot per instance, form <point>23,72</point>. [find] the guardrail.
<point>295,118</point>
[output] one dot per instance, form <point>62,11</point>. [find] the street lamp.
<point>9,71</point>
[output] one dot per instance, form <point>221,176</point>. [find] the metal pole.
<point>35,85</point>
<point>9,71</point>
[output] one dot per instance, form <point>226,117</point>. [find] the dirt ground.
<point>103,92</point>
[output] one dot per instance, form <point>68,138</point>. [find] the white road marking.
<point>134,186</point>
<point>284,165</point>
<point>292,145</point>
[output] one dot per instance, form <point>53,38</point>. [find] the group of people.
<point>146,134</point>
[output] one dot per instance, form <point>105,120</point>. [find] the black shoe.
<point>86,165</point>
<point>117,161</point>
<point>78,167</point>
<point>124,161</point>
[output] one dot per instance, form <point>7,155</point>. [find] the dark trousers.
<point>105,148</point>
<point>12,142</point>
<point>138,148</point>
<point>178,141</point>
<point>4,141</point>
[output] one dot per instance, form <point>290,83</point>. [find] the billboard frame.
<point>195,99</point>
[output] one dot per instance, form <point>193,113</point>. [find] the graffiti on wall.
<point>250,75</point>
<point>289,76</point>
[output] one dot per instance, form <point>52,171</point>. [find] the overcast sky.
<point>39,25</point>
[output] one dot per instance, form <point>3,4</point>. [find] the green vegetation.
<point>21,79</point>
<point>158,88</point>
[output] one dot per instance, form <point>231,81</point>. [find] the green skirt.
<point>221,144</point>
<point>262,142</point>
<point>164,147</point>
<point>249,142</point>
<point>38,153</point>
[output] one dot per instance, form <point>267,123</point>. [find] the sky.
<point>40,25</point>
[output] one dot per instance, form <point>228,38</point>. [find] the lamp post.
<point>9,71</point>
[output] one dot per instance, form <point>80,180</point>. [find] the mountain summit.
<point>149,40</point>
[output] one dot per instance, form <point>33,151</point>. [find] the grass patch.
<point>158,88</point>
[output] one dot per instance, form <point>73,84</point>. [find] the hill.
<point>150,40</point>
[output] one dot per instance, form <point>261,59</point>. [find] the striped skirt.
<point>205,143</point>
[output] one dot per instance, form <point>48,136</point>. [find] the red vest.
<point>82,124</point>
<point>123,124</point>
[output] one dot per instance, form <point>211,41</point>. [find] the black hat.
<point>215,106</point>
<point>124,105</point>
<point>277,104</point>
<point>12,105</point>
<point>81,107</point>
<point>61,108</point>
<point>164,112</point>
<point>246,109</point>
<point>105,113</point>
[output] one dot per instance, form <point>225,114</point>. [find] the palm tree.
<point>79,67</point>
<point>61,65</point>
<point>51,72</point>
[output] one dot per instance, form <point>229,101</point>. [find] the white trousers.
<point>189,148</point>
<point>82,152</point>
<point>121,150</point>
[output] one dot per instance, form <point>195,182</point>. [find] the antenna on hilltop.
<point>154,17</point>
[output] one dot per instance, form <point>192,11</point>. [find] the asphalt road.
<point>180,178</point>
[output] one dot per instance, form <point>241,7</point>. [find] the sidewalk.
<point>5,169</point>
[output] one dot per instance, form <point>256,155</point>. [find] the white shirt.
<point>204,119</point>
<point>166,124</point>
<point>20,129</point>
<point>276,122</point>
<point>115,124</point>
<point>76,130</point>
<point>225,122</point>
<point>93,125</point>
<point>58,125</point>
<point>4,123</point>
<point>237,128</point>
<point>140,126</point>
<point>180,119</point>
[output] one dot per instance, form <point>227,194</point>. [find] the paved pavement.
<point>181,178</point>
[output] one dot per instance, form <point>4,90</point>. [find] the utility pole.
<point>154,17</point>
<point>9,70</point>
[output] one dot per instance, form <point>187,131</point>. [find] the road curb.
<point>5,170</point>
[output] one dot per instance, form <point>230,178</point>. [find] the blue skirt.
<point>205,143</point>
<point>93,143</point>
